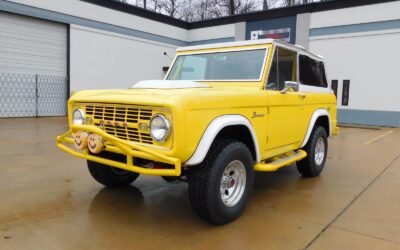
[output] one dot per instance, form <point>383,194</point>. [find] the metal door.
<point>33,67</point>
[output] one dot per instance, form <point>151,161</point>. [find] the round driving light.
<point>159,128</point>
<point>78,117</point>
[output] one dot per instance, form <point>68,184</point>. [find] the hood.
<point>168,84</point>
<point>153,97</point>
<point>149,92</point>
<point>191,94</point>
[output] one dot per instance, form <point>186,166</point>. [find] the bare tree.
<point>289,3</point>
<point>234,7</point>
<point>247,6</point>
<point>194,10</point>
<point>155,5</point>
<point>140,3</point>
<point>188,12</point>
<point>228,6</point>
<point>204,9</point>
<point>265,5</point>
<point>172,8</point>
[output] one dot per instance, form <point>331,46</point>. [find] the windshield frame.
<point>262,72</point>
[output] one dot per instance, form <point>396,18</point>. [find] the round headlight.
<point>78,117</point>
<point>160,127</point>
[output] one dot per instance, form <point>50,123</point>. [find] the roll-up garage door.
<point>33,67</point>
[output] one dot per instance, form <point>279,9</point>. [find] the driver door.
<point>285,109</point>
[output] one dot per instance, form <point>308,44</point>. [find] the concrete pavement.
<point>48,200</point>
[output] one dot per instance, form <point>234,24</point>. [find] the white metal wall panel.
<point>106,60</point>
<point>370,62</point>
<point>33,67</point>
<point>355,15</point>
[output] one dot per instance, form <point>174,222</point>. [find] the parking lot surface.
<point>49,200</point>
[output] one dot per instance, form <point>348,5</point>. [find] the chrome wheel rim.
<point>233,183</point>
<point>320,151</point>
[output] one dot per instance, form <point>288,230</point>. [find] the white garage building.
<point>49,48</point>
<point>361,45</point>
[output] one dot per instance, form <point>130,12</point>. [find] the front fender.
<point>212,131</point>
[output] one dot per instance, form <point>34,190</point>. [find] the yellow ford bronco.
<point>223,112</point>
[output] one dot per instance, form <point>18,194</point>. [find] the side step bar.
<point>280,161</point>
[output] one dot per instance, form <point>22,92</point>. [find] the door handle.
<point>302,96</point>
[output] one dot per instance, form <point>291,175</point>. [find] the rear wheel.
<point>220,187</point>
<point>110,176</point>
<point>317,149</point>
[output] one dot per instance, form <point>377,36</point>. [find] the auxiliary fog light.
<point>81,140</point>
<point>95,143</point>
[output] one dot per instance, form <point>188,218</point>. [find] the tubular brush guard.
<point>121,147</point>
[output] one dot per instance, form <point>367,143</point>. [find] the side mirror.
<point>290,86</point>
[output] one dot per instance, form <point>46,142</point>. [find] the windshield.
<point>244,65</point>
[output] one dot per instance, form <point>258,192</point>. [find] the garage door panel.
<point>53,34</point>
<point>44,49</point>
<point>40,55</point>
<point>29,68</point>
<point>32,24</point>
<point>33,38</point>
<point>33,67</point>
<point>35,42</point>
<point>32,61</point>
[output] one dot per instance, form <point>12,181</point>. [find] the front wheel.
<point>110,176</point>
<point>220,187</point>
<point>317,150</point>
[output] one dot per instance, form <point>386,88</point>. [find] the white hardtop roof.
<point>249,42</point>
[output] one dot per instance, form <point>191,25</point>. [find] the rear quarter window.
<point>312,72</point>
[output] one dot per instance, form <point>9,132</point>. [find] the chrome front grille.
<point>121,121</point>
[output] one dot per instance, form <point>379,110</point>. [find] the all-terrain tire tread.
<point>200,177</point>
<point>307,166</point>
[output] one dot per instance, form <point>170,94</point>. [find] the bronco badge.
<point>255,115</point>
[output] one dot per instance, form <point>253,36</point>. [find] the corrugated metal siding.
<point>33,52</point>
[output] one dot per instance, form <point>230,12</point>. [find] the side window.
<point>312,72</point>
<point>283,68</point>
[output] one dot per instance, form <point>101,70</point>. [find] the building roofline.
<point>137,11</point>
<point>254,16</point>
<point>285,11</point>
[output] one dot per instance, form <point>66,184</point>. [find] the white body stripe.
<point>314,117</point>
<point>212,131</point>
